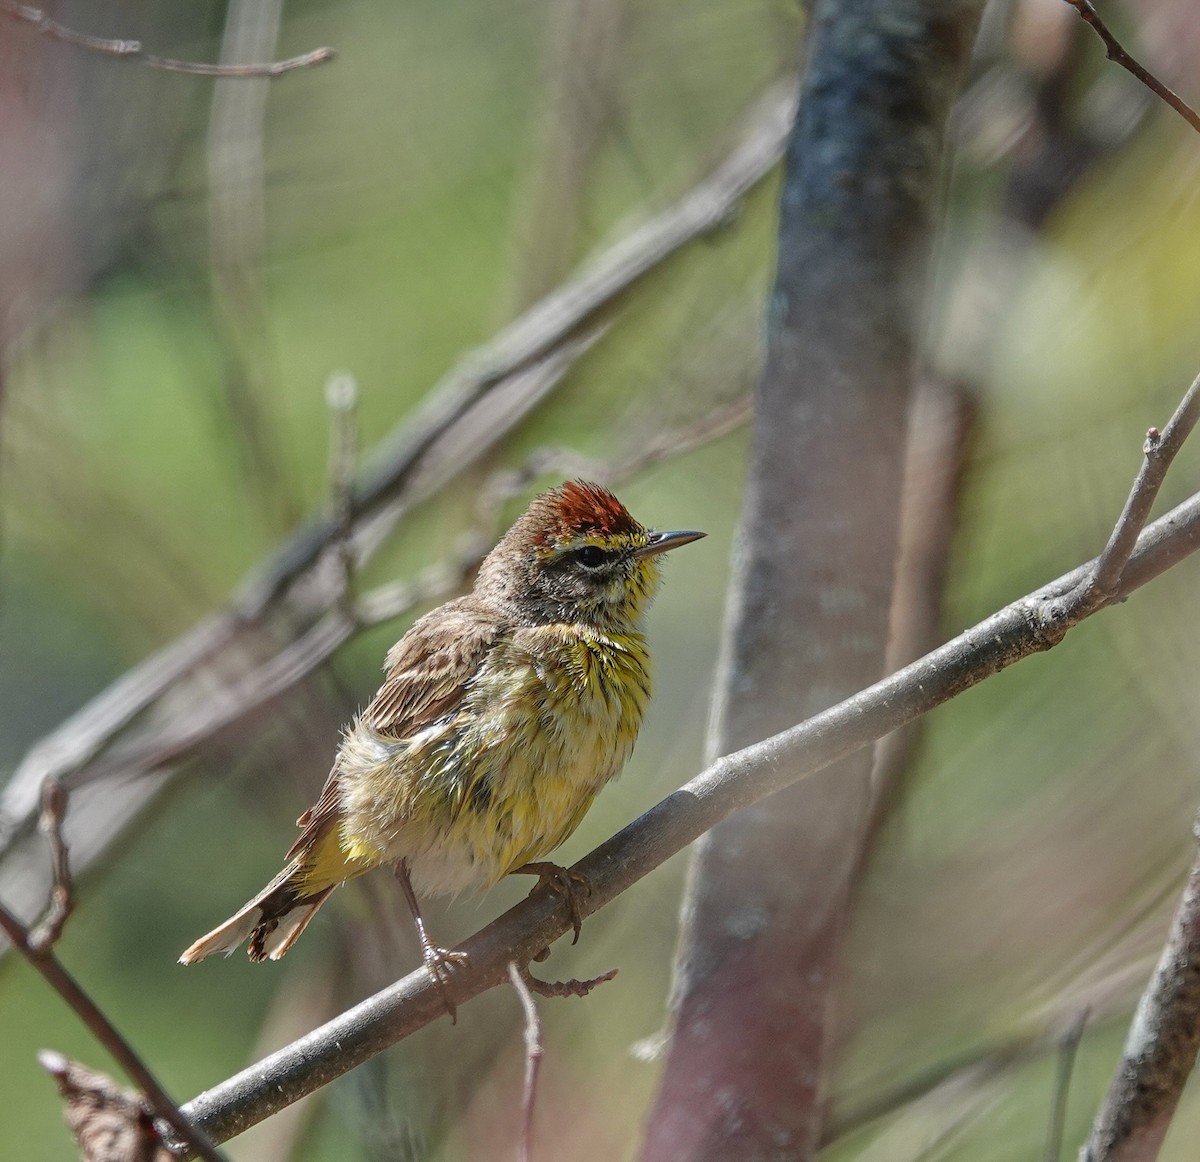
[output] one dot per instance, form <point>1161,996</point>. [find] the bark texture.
<point>1160,1050</point>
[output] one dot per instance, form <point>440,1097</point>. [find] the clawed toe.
<point>571,885</point>
<point>440,963</point>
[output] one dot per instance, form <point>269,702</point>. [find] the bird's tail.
<point>273,920</point>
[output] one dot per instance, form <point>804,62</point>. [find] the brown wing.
<point>427,673</point>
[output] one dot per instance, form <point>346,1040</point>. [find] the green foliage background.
<point>1047,806</point>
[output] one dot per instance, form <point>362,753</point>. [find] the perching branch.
<point>133,50</point>
<point>1032,624</point>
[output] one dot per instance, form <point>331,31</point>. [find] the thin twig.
<point>62,902</point>
<point>38,948</point>
<point>341,397</point>
<point>1030,625</point>
<point>133,50</point>
<point>67,987</point>
<point>1159,451</point>
<point>1068,1048</point>
<point>1116,53</point>
<point>556,989</point>
<point>533,1056</point>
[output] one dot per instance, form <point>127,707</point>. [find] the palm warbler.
<point>502,715</point>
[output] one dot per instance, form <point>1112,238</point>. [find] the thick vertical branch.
<point>808,617</point>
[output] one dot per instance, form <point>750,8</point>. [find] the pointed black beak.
<point>663,542</point>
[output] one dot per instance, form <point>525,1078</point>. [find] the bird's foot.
<point>571,885</point>
<point>440,963</point>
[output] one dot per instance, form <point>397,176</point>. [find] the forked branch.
<point>1030,625</point>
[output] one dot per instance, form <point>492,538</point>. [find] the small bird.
<point>501,716</point>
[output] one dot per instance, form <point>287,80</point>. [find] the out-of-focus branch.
<point>939,429</point>
<point>62,896</point>
<point>1029,625</point>
<point>1161,1047</point>
<point>236,172</point>
<point>769,891</point>
<point>262,687</point>
<point>533,1057</point>
<point>341,397</point>
<point>133,49</point>
<point>465,415</point>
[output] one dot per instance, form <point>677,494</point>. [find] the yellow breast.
<point>550,717</point>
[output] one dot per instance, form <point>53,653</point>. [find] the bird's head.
<point>576,554</point>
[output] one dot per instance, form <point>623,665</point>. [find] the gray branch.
<point>1030,625</point>
<point>1160,1049</point>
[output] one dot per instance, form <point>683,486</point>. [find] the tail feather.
<point>272,921</point>
<point>270,940</point>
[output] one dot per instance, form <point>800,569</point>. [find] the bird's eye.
<point>591,556</point>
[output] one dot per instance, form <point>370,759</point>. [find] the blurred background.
<point>184,264</point>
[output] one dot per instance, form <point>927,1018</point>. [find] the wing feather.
<point>427,675</point>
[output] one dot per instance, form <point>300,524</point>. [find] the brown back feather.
<point>427,676</point>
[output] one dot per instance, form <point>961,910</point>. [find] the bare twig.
<point>1030,625</point>
<point>133,50</point>
<point>341,396</point>
<point>1161,1047</point>
<point>1116,53</point>
<point>1159,451</point>
<point>533,1056</point>
<point>54,809</point>
<point>63,983</point>
<point>38,948</point>
<point>567,988</point>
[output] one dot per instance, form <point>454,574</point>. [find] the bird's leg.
<point>438,961</point>
<point>573,886</point>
